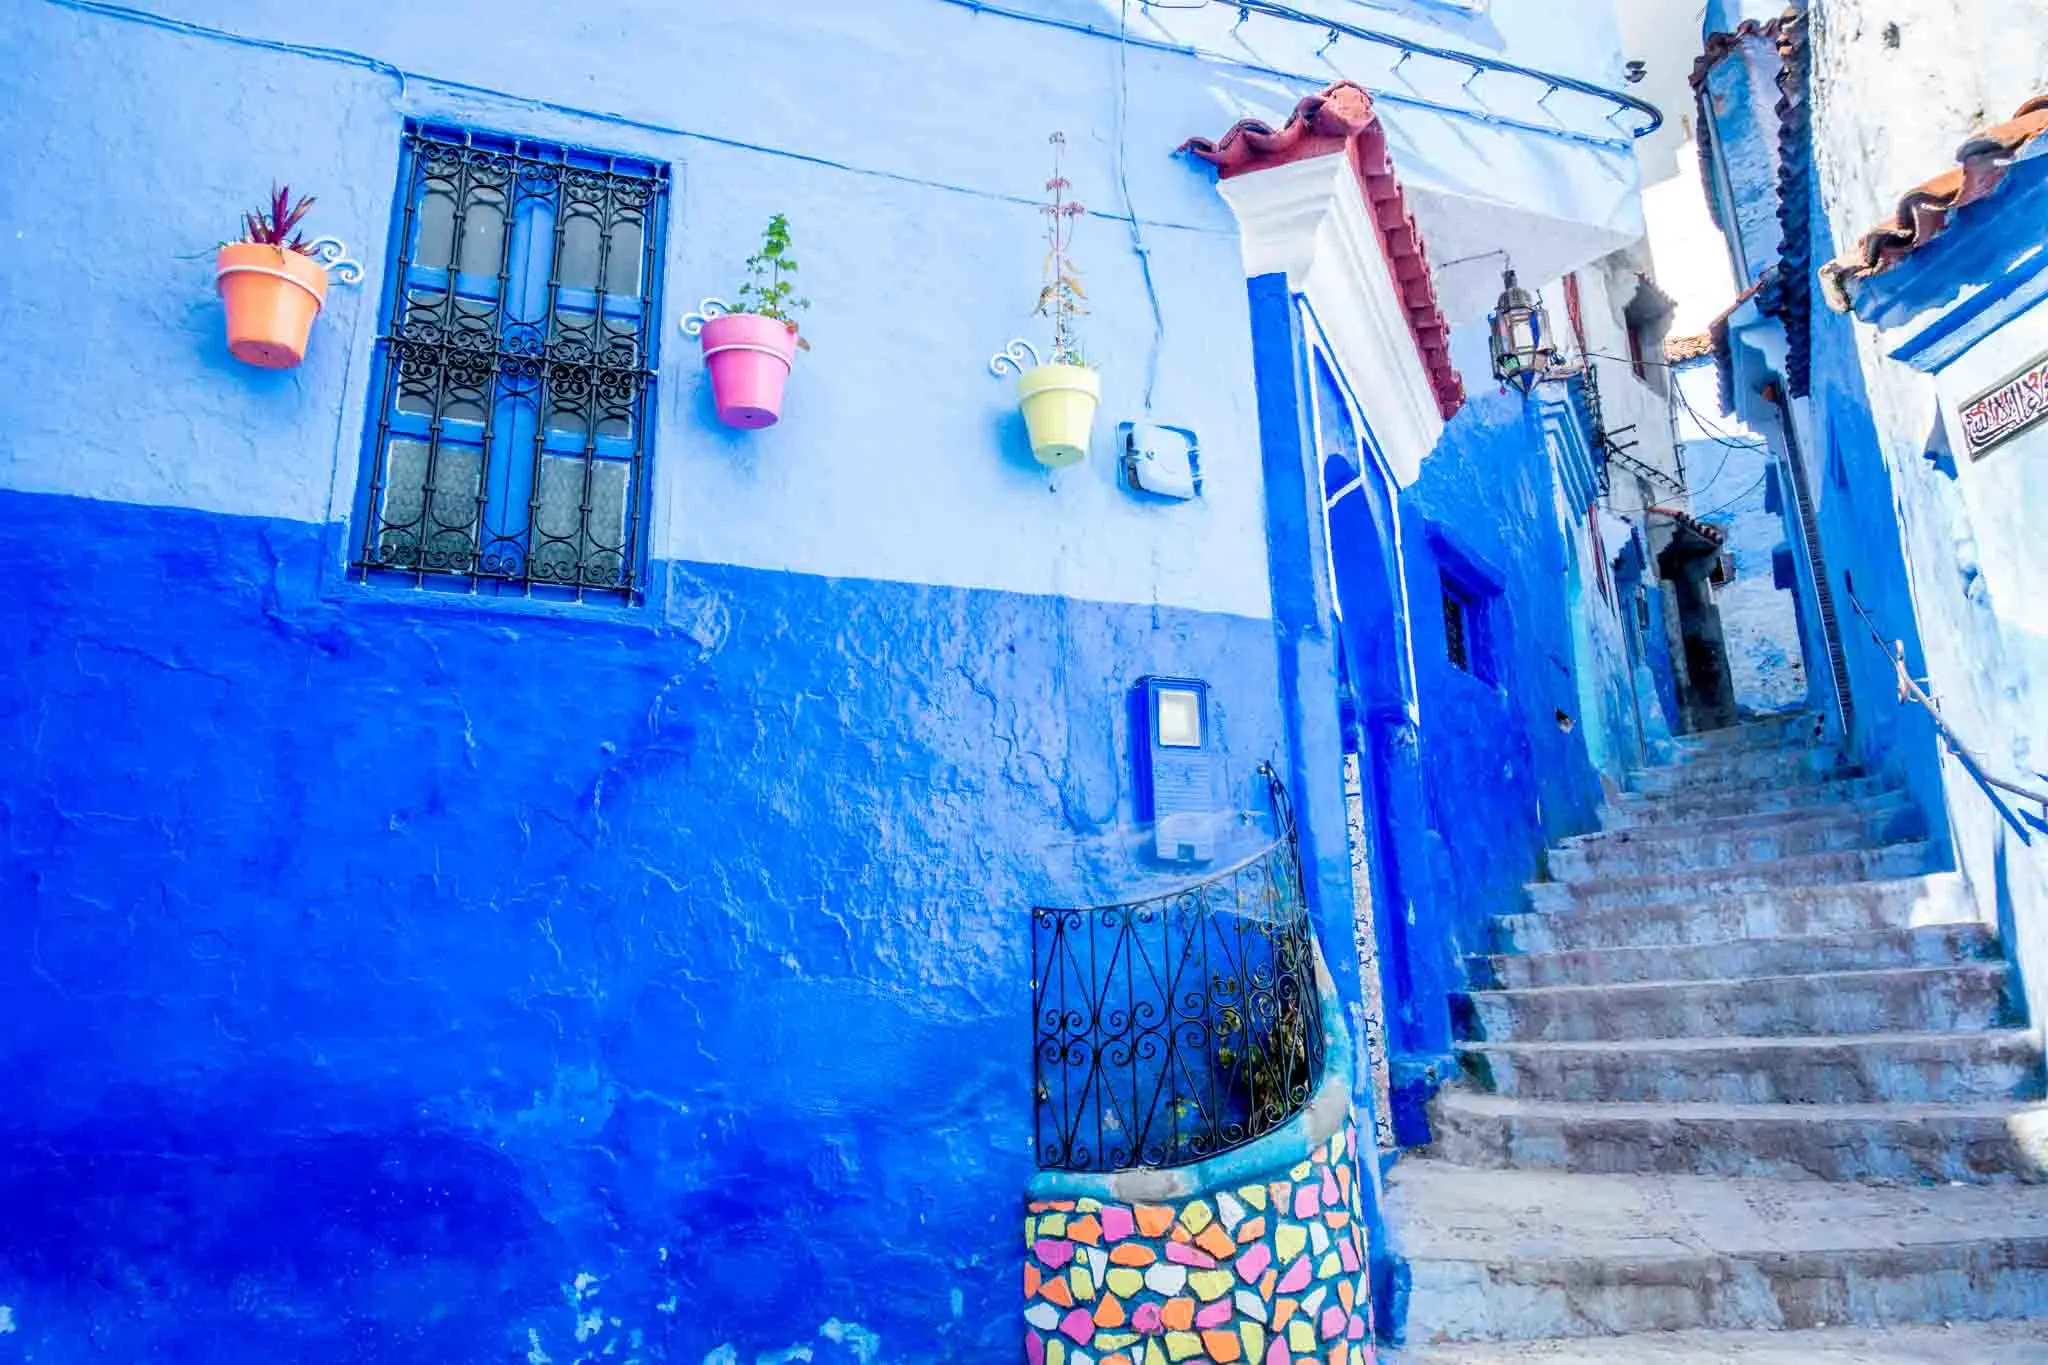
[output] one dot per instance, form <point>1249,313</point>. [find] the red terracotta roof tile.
<point>1678,350</point>
<point>1926,209</point>
<point>1719,45</point>
<point>1342,118</point>
<point>1705,530</point>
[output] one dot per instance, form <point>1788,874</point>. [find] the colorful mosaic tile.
<point>1264,1274</point>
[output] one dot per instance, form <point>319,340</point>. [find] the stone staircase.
<point>1743,1065</point>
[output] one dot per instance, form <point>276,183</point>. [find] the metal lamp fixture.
<point>1522,351</point>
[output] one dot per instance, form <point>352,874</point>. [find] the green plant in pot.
<point>751,349</point>
<point>1059,397</point>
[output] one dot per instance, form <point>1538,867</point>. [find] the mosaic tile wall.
<point>1269,1273</point>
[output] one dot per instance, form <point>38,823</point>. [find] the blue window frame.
<point>510,435</point>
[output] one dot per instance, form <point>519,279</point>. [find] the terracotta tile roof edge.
<point>1926,209</point>
<point>1719,45</point>
<point>1341,117</point>
<point>1678,350</point>
<point>1705,530</point>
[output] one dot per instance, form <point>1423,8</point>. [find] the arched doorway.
<point>1377,708</point>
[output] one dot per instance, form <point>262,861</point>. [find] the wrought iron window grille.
<point>514,397</point>
<point>1177,1027</point>
<point>1456,644</point>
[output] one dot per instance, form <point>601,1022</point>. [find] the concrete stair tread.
<point>1732,774</point>
<point>1438,1211</point>
<point>1822,1042</point>
<point>1942,997</point>
<point>1769,731</point>
<point>1988,1343</point>
<point>1791,866</point>
<point>1980,1141</point>
<point>1678,831</point>
<point>1725,958</point>
<point>1953,1066</point>
<point>1606,990</point>
<point>1509,1254</point>
<point>1882,904</point>
<point>1650,809</point>
<point>1500,1105</point>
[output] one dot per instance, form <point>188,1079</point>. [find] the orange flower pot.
<point>272,295</point>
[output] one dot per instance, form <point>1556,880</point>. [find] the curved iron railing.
<point>1177,1027</point>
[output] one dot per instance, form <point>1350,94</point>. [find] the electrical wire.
<point>1713,432</point>
<point>1712,429</point>
<point>1761,480</point>
<point>1123,180</point>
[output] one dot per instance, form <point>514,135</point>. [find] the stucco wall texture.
<point>1894,95</point>
<point>419,976</point>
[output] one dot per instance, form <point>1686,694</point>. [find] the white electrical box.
<point>1161,460</point>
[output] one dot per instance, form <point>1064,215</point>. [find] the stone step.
<point>1873,1068</point>
<point>1722,843</point>
<point>1909,1143</point>
<point>1799,912</point>
<point>1736,817</point>
<point>1959,1343</point>
<point>1968,995</point>
<point>1741,768</point>
<point>1924,947</point>
<point>1517,1256</point>
<point>1801,871</point>
<point>1632,810</point>
<point>1770,732</point>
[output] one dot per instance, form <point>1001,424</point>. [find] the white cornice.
<point>1308,220</point>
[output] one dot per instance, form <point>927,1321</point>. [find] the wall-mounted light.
<point>1523,354</point>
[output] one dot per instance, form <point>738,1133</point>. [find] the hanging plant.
<point>750,347</point>
<point>1059,397</point>
<point>272,283</point>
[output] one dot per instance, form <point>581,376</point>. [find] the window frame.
<point>1477,588</point>
<point>528,295</point>
<point>1460,617</point>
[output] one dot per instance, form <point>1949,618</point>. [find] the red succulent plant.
<point>273,224</point>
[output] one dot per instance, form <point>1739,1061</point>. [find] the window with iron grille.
<point>1457,627</point>
<point>515,389</point>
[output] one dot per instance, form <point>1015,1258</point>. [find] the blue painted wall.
<point>1741,99</point>
<point>1858,516</point>
<point>394,963</point>
<point>416,977</point>
<point>1471,793</point>
<point>1504,778</point>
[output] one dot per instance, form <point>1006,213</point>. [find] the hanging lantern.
<point>1522,352</point>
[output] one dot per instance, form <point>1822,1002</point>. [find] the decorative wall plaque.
<point>1996,417</point>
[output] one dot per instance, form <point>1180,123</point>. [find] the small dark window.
<point>514,398</point>
<point>1457,627</point>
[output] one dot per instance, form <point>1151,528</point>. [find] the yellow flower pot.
<point>1059,403</point>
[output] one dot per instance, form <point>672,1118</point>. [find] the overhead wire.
<point>1123,180</point>
<point>1761,480</point>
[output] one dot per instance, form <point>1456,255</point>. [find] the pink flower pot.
<point>749,359</point>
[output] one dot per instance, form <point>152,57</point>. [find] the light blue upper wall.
<point>906,214</point>
<point>871,127</point>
